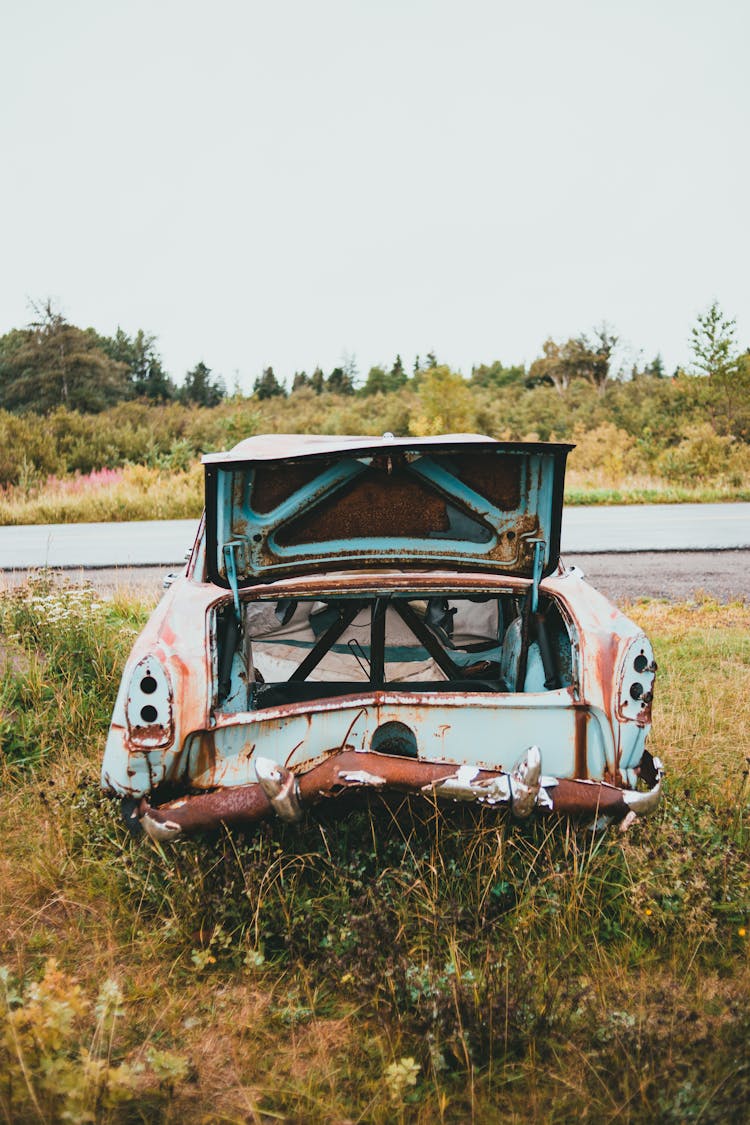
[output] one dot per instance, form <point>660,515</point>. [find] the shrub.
<point>604,451</point>
<point>446,404</point>
<point>703,454</point>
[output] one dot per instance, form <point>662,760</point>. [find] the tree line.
<point>52,364</point>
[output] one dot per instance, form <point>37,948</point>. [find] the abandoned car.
<point>382,614</point>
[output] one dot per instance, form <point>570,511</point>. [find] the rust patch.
<point>273,484</point>
<point>581,798</point>
<point>605,667</point>
<point>206,756</point>
<point>235,807</point>
<point>513,546</point>
<point>150,737</point>
<point>181,665</point>
<point>371,506</point>
<point>411,580</point>
<point>166,634</point>
<point>497,477</point>
<point>615,778</point>
<point>581,741</point>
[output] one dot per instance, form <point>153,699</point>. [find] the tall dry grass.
<point>134,492</point>
<point>401,962</point>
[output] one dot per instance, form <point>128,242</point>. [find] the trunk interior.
<point>298,650</point>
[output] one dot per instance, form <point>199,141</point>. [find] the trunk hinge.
<point>530,612</point>
<point>232,551</point>
<point>539,545</point>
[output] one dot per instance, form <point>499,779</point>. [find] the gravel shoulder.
<point>676,576</point>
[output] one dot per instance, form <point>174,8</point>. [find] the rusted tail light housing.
<point>148,707</point>
<point>635,682</point>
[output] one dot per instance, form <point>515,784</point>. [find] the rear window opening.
<point>300,650</point>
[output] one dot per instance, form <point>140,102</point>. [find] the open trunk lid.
<point>286,504</point>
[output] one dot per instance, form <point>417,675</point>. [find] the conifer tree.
<point>268,386</point>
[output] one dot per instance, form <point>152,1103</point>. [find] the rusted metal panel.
<point>282,792</point>
<point>497,729</point>
<point>148,707</point>
<point>461,499</point>
<point>236,760</point>
<point>192,673</point>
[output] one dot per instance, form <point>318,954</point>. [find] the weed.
<point>57,1065</point>
<point>400,1077</point>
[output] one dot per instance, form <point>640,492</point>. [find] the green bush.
<point>702,454</point>
<point>675,429</point>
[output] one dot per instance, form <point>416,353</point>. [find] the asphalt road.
<point>139,554</point>
<point>650,527</point>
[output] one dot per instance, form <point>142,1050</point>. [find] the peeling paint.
<point>362,777</point>
<point>280,786</point>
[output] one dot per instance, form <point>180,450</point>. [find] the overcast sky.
<point>283,182</point>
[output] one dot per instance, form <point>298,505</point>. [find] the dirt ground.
<point>673,575</point>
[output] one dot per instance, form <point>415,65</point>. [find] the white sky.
<point>281,182</point>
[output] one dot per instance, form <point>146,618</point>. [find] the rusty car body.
<point>377,614</point>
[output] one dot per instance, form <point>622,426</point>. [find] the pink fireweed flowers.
<point>84,482</point>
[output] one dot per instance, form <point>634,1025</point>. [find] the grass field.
<point>397,964</point>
